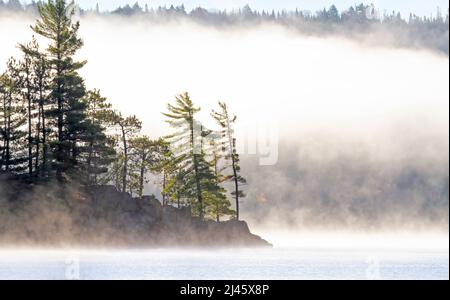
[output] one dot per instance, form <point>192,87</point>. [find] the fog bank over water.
<point>380,241</point>
<point>364,136</point>
<point>238,264</point>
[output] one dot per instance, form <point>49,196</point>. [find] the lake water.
<point>277,263</point>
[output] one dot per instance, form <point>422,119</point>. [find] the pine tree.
<point>226,122</point>
<point>14,5</point>
<point>213,193</point>
<point>181,117</point>
<point>41,70</point>
<point>167,166</point>
<point>28,89</point>
<point>141,158</point>
<point>13,115</point>
<point>4,96</point>
<point>128,128</point>
<point>175,188</point>
<point>189,155</point>
<point>67,87</point>
<point>115,174</point>
<point>100,152</point>
<point>219,205</point>
<point>211,190</point>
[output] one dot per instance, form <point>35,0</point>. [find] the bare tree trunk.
<point>44,141</point>
<point>217,213</point>
<point>142,174</point>
<point>197,179</point>
<point>95,168</point>
<point>233,162</point>
<point>30,138</point>
<point>59,156</point>
<point>5,124</point>
<point>8,137</point>
<point>38,140</point>
<point>89,162</point>
<point>30,146</point>
<point>125,163</point>
<point>236,189</point>
<point>164,187</point>
<point>216,173</point>
<point>60,119</point>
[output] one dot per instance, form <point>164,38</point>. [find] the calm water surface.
<point>225,264</point>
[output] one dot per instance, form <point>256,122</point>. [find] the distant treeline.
<point>53,130</point>
<point>430,32</point>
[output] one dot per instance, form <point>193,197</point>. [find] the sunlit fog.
<point>381,111</point>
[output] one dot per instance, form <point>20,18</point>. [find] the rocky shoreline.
<point>103,217</point>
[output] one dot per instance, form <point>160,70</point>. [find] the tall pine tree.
<point>67,87</point>
<point>226,122</point>
<point>189,155</point>
<point>100,152</point>
<point>166,165</point>
<point>13,118</point>
<point>128,128</point>
<point>142,158</point>
<point>219,204</point>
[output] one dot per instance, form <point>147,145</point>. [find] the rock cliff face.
<point>104,217</point>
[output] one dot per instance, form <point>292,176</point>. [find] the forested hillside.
<point>56,132</point>
<point>365,23</point>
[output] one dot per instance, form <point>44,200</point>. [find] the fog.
<point>363,131</point>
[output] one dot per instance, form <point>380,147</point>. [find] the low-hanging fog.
<point>363,131</point>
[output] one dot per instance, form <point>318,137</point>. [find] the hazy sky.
<point>419,7</point>
<point>362,130</point>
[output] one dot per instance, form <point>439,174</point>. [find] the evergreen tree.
<point>167,166</point>
<point>13,115</point>
<point>181,117</point>
<point>41,70</point>
<point>100,152</point>
<point>226,122</point>
<point>219,205</point>
<point>333,14</point>
<point>67,87</point>
<point>175,188</point>
<point>216,202</point>
<point>4,112</point>
<point>142,151</point>
<point>27,84</point>
<point>115,174</point>
<point>14,5</point>
<point>189,155</point>
<point>128,128</point>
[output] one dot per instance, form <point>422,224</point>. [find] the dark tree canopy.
<point>357,21</point>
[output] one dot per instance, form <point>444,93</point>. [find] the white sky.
<point>419,7</point>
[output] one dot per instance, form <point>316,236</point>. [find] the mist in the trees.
<point>361,104</point>
<point>154,142</point>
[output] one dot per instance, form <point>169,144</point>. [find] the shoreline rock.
<point>103,217</point>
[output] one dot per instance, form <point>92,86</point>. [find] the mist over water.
<point>363,131</point>
<point>238,264</point>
